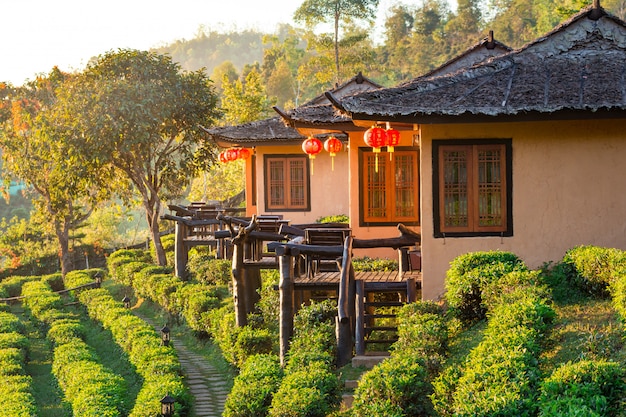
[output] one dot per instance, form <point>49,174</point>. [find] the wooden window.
<point>472,188</point>
<point>286,182</point>
<point>389,195</point>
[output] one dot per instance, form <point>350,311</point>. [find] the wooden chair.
<point>323,237</point>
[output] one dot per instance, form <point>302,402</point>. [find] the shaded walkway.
<point>206,384</point>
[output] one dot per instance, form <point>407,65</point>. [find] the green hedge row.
<point>310,386</point>
<point>500,377</point>
<point>402,384</point>
<point>16,399</point>
<point>92,389</point>
<point>158,365</point>
<point>306,387</point>
<point>191,301</point>
<point>469,275</point>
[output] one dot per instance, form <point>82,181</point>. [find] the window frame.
<point>472,230</point>
<point>266,183</point>
<point>391,220</point>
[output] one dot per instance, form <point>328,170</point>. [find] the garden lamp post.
<point>165,335</point>
<point>167,406</point>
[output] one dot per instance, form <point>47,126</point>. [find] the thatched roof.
<point>575,71</point>
<point>274,131</point>
<point>325,114</point>
<point>320,111</point>
<point>263,132</point>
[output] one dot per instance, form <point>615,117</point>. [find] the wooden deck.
<point>332,278</point>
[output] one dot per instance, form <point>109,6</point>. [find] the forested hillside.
<point>297,62</point>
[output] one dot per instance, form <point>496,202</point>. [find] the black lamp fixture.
<point>165,335</point>
<point>167,405</point>
<point>126,301</point>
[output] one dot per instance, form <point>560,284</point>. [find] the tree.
<point>244,101</point>
<point>38,148</point>
<point>313,12</point>
<point>140,114</point>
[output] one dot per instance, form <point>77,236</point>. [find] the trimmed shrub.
<point>422,330</point>
<point>591,268</point>
<point>254,387</point>
<point>251,341</point>
<point>15,397</point>
<point>208,270</point>
<point>312,391</point>
<point>65,331</point>
<point>501,375</point>
<point>401,381</point>
<point>583,388</point>
<point>470,274</point>
<point>124,256</point>
<point>374,264</point>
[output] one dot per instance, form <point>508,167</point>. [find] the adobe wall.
<point>568,189</point>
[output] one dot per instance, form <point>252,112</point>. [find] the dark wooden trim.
<point>307,174</point>
<point>362,222</point>
<point>436,144</point>
<point>467,117</point>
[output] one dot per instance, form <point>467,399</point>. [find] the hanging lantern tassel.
<point>392,139</point>
<point>375,137</point>
<point>312,146</point>
<point>332,146</point>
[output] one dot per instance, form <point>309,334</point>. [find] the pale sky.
<point>39,34</point>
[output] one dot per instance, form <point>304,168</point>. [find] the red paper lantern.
<point>222,157</point>
<point>244,153</point>
<point>312,146</point>
<point>332,145</point>
<point>231,154</point>
<point>375,137</point>
<point>392,139</point>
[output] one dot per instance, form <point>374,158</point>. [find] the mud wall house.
<point>524,152</point>
<point>280,178</point>
<point>384,189</point>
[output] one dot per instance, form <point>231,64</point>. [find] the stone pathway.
<point>206,384</point>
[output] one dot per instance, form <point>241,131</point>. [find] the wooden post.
<point>251,276</point>
<point>411,290</point>
<point>360,317</point>
<point>285,286</point>
<point>239,291</point>
<point>344,313</point>
<point>180,251</point>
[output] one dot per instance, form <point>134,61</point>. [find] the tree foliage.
<point>38,147</point>
<point>139,114</point>
<point>314,12</point>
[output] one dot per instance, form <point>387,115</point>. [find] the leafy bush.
<point>312,391</point>
<point>208,270</point>
<point>591,268</point>
<point>254,387</point>
<point>585,387</point>
<point>501,374</point>
<point>124,256</point>
<point>335,218</point>
<point>422,331</point>
<point>400,382</point>
<point>15,397</point>
<point>470,274</point>
<point>371,264</point>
